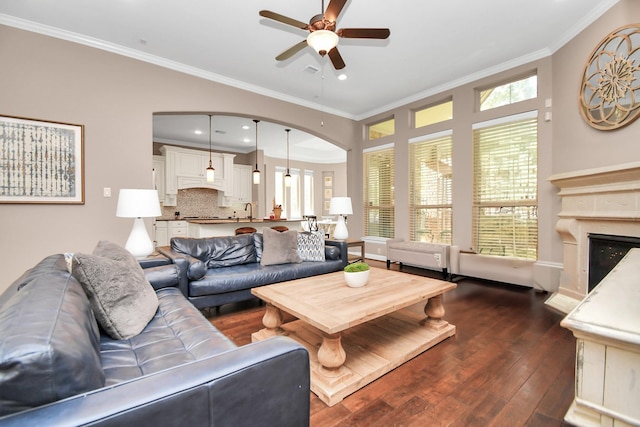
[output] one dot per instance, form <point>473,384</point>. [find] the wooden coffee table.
<point>356,335</point>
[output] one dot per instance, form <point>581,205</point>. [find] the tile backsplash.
<point>199,202</point>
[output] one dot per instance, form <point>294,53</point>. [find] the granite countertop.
<point>226,220</point>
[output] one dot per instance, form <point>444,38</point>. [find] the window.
<point>308,193</point>
<point>288,197</point>
<point>508,93</point>
<point>434,114</point>
<point>378,192</point>
<point>382,129</point>
<point>430,171</point>
<point>505,214</point>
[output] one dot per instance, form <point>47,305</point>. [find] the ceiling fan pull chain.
<point>322,95</point>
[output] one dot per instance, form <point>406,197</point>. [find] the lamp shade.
<point>138,203</point>
<point>322,41</point>
<point>340,206</point>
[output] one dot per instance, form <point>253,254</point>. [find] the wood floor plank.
<point>509,364</point>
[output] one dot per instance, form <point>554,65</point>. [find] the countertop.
<point>227,220</point>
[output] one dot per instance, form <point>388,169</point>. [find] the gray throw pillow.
<point>311,246</point>
<point>279,247</point>
<point>121,297</point>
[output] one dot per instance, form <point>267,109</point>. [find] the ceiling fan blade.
<point>283,19</point>
<point>336,59</point>
<point>334,9</point>
<point>292,51</point>
<point>364,33</point>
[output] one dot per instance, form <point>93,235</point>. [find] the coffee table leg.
<point>331,355</point>
<point>272,321</point>
<point>435,312</point>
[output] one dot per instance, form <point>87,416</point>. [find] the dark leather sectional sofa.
<point>220,270</point>
<point>58,368</point>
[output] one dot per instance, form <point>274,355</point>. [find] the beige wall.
<point>577,146</point>
<point>114,98</point>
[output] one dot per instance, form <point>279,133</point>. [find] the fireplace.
<point>595,202</point>
<point>605,251</point>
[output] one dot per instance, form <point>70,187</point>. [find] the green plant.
<point>356,266</point>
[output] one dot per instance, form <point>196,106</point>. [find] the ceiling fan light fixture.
<point>322,41</point>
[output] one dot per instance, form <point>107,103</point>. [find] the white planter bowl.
<point>356,279</point>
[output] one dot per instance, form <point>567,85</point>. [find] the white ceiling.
<point>433,45</point>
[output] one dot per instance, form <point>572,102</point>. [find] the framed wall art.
<point>41,161</point>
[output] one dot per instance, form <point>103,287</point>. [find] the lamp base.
<point>139,243</point>
<point>341,232</point>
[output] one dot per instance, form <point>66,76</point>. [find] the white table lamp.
<point>341,206</point>
<point>138,204</point>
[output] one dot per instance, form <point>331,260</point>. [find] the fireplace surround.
<point>603,201</point>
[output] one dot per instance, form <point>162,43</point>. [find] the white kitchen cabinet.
<point>178,229</point>
<point>242,187</point>
<point>158,176</point>
<point>185,168</point>
<point>161,230</point>
<point>242,183</point>
<point>165,230</point>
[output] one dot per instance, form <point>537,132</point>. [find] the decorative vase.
<point>356,279</point>
<point>277,212</point>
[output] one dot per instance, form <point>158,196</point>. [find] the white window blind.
<point>430,172</point>
<point>505,211</point>
<point>308,193</point>
<point>378,192</point>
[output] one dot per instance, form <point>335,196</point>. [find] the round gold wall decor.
<point>610,87</point>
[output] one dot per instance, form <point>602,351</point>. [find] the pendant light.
<point>256,171</point>
<point>287,176</point>
<point>210,170</point>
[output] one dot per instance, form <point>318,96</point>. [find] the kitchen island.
<point>227,227</point>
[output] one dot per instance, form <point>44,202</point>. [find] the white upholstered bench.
<point>432,256</point>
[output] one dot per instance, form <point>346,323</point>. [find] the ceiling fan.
<point>323,36</point>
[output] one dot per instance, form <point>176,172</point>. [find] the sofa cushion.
<point>121,297</point>
<point>218,252</point>
<point>311,246</point>
<point>258,243</point>
<point>177,334</point>
<point>247,276</point>
<point>49,340</point>
<point>279,247</point>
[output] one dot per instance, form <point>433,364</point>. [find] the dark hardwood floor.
<point>509,364</point>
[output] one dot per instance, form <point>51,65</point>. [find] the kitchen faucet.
<point>250,205</point>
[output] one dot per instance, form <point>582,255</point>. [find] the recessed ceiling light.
<point>246,140</point>
<point>342,77</point>
<point>197,132</point>
<point>245,127</point>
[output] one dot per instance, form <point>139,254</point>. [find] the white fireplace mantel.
<point>603,200</point>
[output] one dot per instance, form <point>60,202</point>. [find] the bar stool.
<point>279,228</point>
<point>245,230</point>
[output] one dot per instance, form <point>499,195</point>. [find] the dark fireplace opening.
<point>605,252</point>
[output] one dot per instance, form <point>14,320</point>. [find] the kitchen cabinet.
<point>185,168</point>
<point>242,187</point>
<point>242,183</point>
<point>161,236</point>
<point>165,230</point>
<point>158,176</point>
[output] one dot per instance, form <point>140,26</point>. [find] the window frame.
<point>485,238</point>
<point>417,149</point>
<point>386,227</point>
